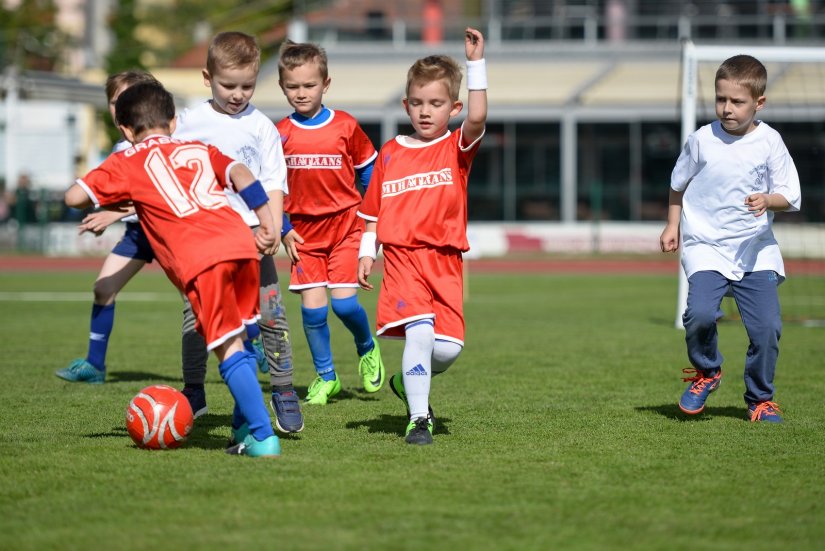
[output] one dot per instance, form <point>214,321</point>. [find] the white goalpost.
<point>692,74</point>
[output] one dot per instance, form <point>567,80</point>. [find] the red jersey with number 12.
<point>177,190</point>
<point>418,193</point>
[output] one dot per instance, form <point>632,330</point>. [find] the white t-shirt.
<point>717,171</point>
<point>249,137</point>
<point>123,145</point>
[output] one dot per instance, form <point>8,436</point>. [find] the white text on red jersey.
<point>443,177</point>
<point>314,161</point>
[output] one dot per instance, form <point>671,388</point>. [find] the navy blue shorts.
<point>134,244</point>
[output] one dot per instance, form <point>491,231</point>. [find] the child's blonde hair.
<point>233,49</point>
<point>436,67</point>
<point>295,54</point>
<point>746,71</point>
<point>116,81</point>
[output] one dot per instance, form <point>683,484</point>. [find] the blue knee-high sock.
<point>102,322</point>
<point>237,416</point>
<point>317,331</point>
<point>354,317</point>
<point>238,370</point>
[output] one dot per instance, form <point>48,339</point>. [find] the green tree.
<point>29,37</point>
<point>186,22</point>
<point>127,51</point>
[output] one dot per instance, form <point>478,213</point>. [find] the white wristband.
<point>368,245</point>
<point>477,74</point>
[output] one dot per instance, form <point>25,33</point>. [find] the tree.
<point>127,51</point>
<point>29,37</point>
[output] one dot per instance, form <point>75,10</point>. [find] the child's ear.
<point>173,124</point>
<point>458,105</point>
<point>128,133</point>
<point>760,102</point>
<point>207,78</point>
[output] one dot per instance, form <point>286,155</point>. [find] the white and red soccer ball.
<point>159,417</point>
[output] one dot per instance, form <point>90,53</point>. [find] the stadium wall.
<point>486,239</point>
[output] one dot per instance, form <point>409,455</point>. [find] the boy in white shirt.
<point>732,175</point>
<point>232,124</point>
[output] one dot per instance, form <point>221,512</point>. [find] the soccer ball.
<point>159,417</point>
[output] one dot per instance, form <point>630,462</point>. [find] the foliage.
<point>29,36</point>
<point>127,50</point>
<point>184,23</point>
<point>556,429</point>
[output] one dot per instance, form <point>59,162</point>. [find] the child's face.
<point>430,107</point>
<point>113,101</point>
<point>304,88</point>
<point>736,108</point>
<point>232,88</point>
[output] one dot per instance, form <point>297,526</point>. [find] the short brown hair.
<point>115,81</point>
<point>233,49</point>
<point>145,106</point>
<point>295,54</point>
<point>745,71</point>
<point>436,67</point>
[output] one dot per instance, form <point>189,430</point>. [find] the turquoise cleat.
<point>81,371</point>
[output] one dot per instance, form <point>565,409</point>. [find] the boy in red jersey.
<point>324,151</point>
<point>201,243</point>
<point>416,206</point>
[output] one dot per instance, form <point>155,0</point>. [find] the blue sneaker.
<point>765,411</point>
<point>397,387</point>
<point>81,371</point>
<point>197,400</point>
<point>268,447</point>
<point>260,355</point>
<point>697,392</point>
<point>287,409</point>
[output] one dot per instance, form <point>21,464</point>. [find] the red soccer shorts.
<point>420,284</point>
<point>329,255</point>
<point>224,299</point>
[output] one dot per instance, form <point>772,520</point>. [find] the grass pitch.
<point>557,429</point>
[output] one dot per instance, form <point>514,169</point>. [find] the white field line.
<point>84,296</point>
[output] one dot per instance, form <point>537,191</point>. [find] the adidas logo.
<point>417,370</point>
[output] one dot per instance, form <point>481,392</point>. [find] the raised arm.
<point>476,119</point>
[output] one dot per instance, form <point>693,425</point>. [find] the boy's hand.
<point>266,240</point>
<point>364,269</point>
<point>758,203</point>
<point>291,241</point>
<point>473,44</point>
<point>669,241</point>
<point>97,222</point>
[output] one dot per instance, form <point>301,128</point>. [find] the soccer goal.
<point>796,95</point>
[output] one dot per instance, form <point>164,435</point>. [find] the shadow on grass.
<point>131,376</point>
<point>396,424</point>
<point>672,411</point>
<point>204,434</point>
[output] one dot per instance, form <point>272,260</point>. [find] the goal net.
<point>796,108</point>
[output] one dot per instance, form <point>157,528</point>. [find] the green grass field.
<point>557,429</point>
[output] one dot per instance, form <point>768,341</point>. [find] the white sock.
<point>416,366</point>
<point>445,353</point>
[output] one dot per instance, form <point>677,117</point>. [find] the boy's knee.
<point>345,307</point>
<point>104,291</point>
<point>767,331</point>
<point>700,318</point>
<point>314,317</point>
<point>445,353</point>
